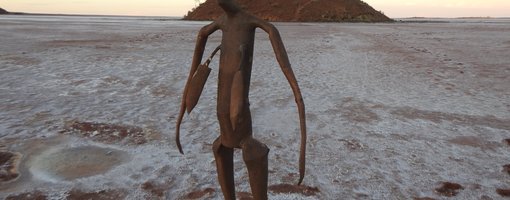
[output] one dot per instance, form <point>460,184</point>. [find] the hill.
<point>2,11</point>
<point>296,10</point>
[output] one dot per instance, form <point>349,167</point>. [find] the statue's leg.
<point>255,157</point>
<point>225,167</point>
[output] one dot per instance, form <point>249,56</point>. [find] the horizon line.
<point>127,15</point>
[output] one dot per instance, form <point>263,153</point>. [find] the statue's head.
<point>229,6</point>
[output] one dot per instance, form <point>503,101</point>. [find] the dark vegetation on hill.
<point>296,11</point>
<point>2,11</point>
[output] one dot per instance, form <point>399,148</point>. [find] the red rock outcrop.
<point>296,11</point>
<point>2,11</point>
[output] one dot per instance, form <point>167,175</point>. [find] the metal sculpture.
<point>233,112</point>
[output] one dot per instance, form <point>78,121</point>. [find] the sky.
<point>178,8</point>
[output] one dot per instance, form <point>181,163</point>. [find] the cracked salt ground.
<point>395,111</point>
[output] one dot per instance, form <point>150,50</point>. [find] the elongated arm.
<point>283,61</point>
<point>197,59</point>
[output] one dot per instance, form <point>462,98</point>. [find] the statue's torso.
<point>234,78</point>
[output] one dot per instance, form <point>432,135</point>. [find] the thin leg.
<point>255,157</point>
<point>225,167</point>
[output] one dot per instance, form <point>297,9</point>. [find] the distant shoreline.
<point>396,20</point>
<point>450,20</point>
<point>85,15</point>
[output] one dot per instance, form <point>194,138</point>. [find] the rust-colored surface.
<point>9,162</point>
<point>296,10</point>
<point>35,195</point>
<point>503,192</point>
<point>449,189</point>
<point>154,189</point>
<point>98,195</point>
<point>244,196</point>
<point>238,28</point>
<point>157,189</point>
<point>199,193</point>
<point>460,119</point>
<point>294,189</point>
<point>506,168</point>
<point>110,133</point>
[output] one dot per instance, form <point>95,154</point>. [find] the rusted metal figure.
<point>233,112</point>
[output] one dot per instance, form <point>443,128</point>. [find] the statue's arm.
<point>202,37</point>
<point>283,61</point>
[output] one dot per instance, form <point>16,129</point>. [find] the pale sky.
<point>392,8</point>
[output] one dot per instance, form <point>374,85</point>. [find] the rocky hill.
<point>2,11</point>
<point>296,10</point>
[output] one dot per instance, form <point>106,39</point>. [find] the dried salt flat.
<point>394,111</point>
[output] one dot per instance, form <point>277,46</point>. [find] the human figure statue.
<point>233,112</point>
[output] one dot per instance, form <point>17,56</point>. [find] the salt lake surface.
<point>394,111</point>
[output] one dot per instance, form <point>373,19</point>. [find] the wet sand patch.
<point>29,148</point>
<point>73,163</point>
